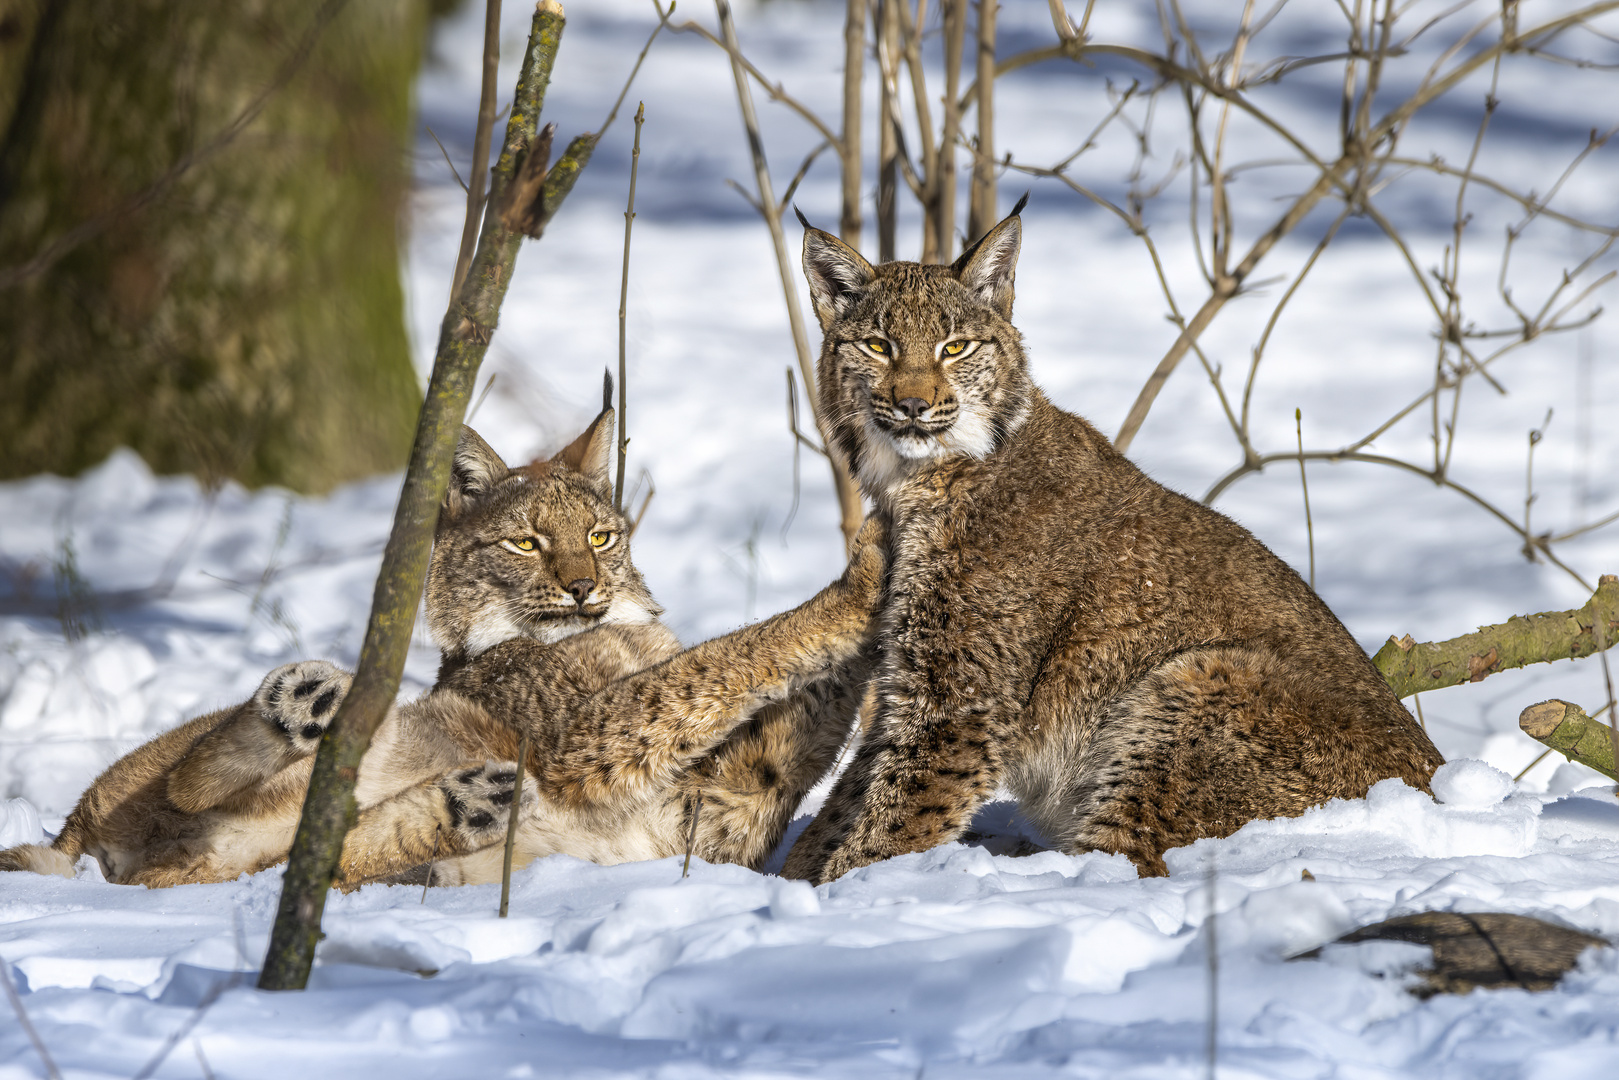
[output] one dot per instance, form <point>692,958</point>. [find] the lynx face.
<point>919,362</point>
<point>535,552</point>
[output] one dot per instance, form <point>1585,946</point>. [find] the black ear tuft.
<point>989,266</point>
<point>475,469</point>
<point>802,220</point>
<point>836,272</point>
<point>607,389</point>
<point>1023,200</point>
<point>592,452</point>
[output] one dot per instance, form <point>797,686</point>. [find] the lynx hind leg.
<point>1205,743</point>
<point>461,811</point>
<point>281,724</point>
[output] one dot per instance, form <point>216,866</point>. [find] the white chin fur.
<point>970,435</point>
<point>495,626</point>
<point>489,631</point>
<point>888,460</point>
<point>625,609</point>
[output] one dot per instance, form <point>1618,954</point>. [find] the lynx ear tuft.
<point>836,272</point>
<point>592,452</point>
<point>476,469</point>
<point>989,266</point>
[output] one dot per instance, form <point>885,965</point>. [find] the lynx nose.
<point>580,588</point>
<point>912,407</point>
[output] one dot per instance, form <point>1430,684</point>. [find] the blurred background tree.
<point>199,236</point>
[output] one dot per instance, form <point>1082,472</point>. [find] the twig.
<point>623,313</point>
<point>848,495</point>
<point>981,203</point>
<point>651,490</point>
<point>511,824</point>
<point>202,1061</point>
<point>480,144</point>
<point>453,170</point>
<point>886,32</point>
<point>1304,482</point>
<point>482,394</point>
<point>432,860</point>
<point>691,835</point>
<point>1523,772</point>
<point>213,994</point>
<point>943,207</point>
<point>27,1024</point>
<point>774,90</point>
<point>1212,1045</point>
<point>663,20</point>
<point>1540,543</point>
<point>1535,435</point>
<point>854,57</point>
<point>799,439</point>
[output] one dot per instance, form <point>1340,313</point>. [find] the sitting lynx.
<point>1137,669</point>
<point>545,623</point>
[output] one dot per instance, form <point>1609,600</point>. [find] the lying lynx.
<point>1136,668</point>
<point>545,624</point>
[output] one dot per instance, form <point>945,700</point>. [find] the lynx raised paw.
<point>479,801</point>
<point>301,699</point>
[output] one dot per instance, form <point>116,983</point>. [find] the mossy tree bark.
<point>247,321</point>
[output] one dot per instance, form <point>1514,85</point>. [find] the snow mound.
<point>1470,785</point>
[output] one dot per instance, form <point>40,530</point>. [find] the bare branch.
<point>480,144</point>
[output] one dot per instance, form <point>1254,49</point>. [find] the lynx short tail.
<point>39,858</point>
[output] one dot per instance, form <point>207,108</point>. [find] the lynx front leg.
<point>280,725</point>
<point>459,812</point>
<point>915,783</point>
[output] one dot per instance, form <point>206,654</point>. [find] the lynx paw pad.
<point>479,800</point>
<point>301,699</point>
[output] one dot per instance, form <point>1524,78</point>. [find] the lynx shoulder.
<point>545,626</point>
<point>1137,668</point>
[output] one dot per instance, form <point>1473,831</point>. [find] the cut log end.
<point>1540,720</point>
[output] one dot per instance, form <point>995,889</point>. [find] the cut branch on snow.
<point>1566,728</point>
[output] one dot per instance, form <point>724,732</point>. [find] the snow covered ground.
<point>128,602</point>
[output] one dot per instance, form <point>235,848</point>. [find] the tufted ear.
<point>989,266</point>
<point>475,470</point>
<point>592,452</point>
<point>836,272</point>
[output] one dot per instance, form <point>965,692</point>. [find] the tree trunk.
<point>238,317</point>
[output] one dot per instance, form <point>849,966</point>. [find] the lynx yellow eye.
<point>525,544</point>
<point>600,539</point>
<point>955,348</point>
<point>877,345</point>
